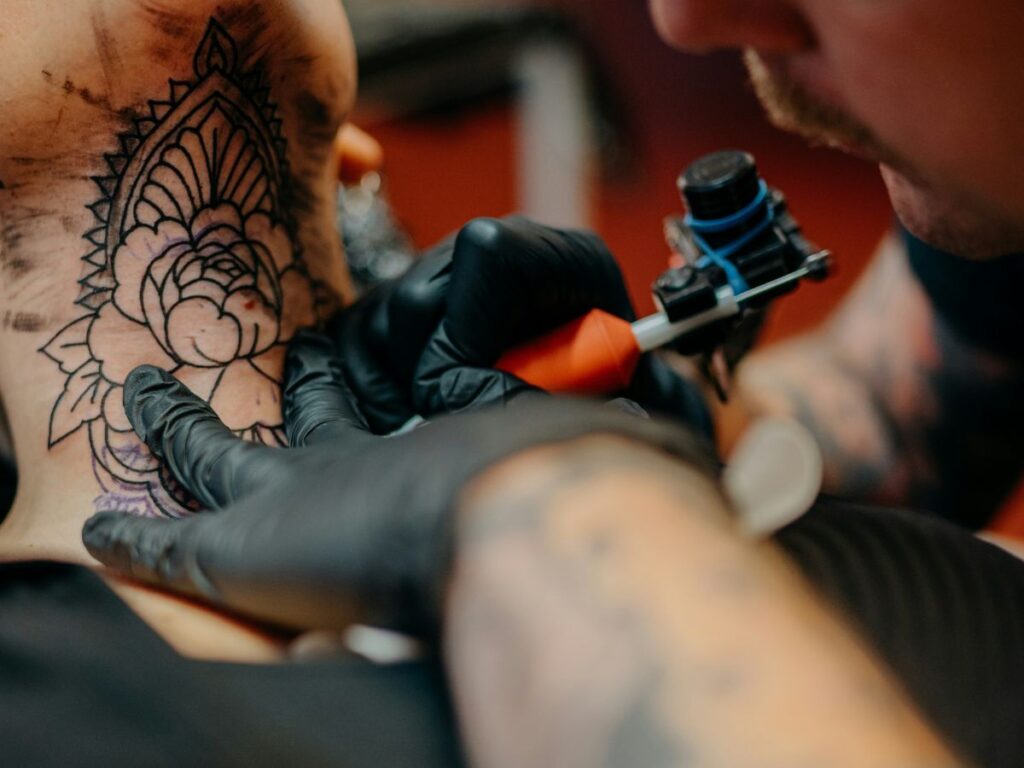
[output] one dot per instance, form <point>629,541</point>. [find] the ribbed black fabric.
<point>83,683</point>
<point>944,609</point>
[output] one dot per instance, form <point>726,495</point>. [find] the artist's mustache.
<point>791,108</point>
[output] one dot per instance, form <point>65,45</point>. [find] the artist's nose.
<point>770,26</point>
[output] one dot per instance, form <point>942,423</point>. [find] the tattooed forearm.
<point>192,265</point>
<point>905,410</point>
<point>603,613</point>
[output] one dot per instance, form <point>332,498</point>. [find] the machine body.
<point>737,250</point>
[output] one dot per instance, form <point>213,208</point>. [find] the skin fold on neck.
<point>179,214</point>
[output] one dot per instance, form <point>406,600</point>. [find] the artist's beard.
<point>943,218</point>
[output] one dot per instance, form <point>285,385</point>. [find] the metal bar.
<point>656,331</point>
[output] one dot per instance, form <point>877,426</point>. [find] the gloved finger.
<point>252,567</point>
<point>380,339</point>
<point>208,459</point>
<point>513,280</point>
<point>414,311</point>
<point>463,388</point>
<point>385,403</point>
<point>152,550</point>
<point>318,405</point>
<point>664,392</point>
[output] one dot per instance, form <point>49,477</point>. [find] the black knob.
<point>676,279</point>
<point>720,184</point>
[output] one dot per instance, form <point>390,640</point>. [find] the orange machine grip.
<point>594,355</point>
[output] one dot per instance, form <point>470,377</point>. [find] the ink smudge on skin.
<point>106,48</point>
<point>173,26</point>
<point>250,25</point>
<point>171,22</point>
<point>24,322</point>
<point>101,101</point>
<point>316,116</point>
<point>18,267</point>
<point>10,238</point>
<point>14,264</point>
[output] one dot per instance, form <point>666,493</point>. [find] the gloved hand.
<point>346,519</point>
<point>425,344</point>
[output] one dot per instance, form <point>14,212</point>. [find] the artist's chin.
<point>948,221</point>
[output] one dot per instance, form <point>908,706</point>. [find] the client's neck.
<point>146,222</point>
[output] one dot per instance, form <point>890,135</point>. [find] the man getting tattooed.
<point>194,266</point>
<point>167,196</point>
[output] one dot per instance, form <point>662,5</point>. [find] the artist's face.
<point>932,89</point>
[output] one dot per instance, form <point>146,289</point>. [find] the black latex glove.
<point>344,520</point>
<point>425,344</point>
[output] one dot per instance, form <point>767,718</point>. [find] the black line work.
<point>193,265</point>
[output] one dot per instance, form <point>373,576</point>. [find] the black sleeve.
<point>83,682</point>
<point>979,300</point>
<point>942,607</point>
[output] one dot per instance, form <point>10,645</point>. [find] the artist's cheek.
<point>923,76</point>
<point>862,47</point>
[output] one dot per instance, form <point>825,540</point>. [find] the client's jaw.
<point>166,197</point>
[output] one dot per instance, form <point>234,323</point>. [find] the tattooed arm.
<point>581,636</point>
<point>906,411</point>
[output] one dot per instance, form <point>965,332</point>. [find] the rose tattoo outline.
<point>194,266</point>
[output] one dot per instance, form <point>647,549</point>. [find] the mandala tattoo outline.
<point>194,266</point>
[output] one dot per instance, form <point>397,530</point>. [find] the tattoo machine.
<point>736,251</point>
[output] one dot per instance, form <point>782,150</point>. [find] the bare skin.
<point>582,636</point>
<point>265,248</point>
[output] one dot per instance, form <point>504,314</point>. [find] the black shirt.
<point>981,300</point>
<point>84,682</point>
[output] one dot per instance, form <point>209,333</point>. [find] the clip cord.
<point>721,256</point>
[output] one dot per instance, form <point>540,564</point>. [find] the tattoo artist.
<point>578,565</point>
